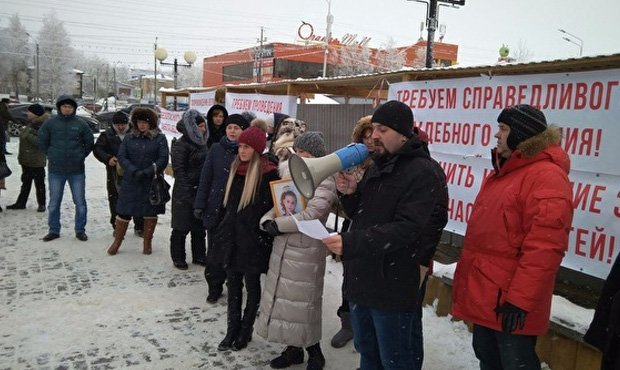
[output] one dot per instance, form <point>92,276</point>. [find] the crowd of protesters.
<point>395,206</point>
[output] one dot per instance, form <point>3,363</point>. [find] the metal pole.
<point>176,73</point>
<point>155,72</point>
<point>37,78</point>
<point>431,26</point>
<point>328,35</point>
<point>260,58</point>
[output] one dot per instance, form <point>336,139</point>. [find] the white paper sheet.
<point>312,228</point>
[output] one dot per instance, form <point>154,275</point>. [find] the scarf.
<point>266,166</point>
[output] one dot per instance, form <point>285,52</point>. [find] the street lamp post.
<point>580,43</point>
<point>328,35</point>
<point>190,57</point>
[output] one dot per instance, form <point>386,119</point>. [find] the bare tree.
<point>522,53</point>
<point>351,60</point>
<point>15,53</point>
<point>390,58</point>
<point>56,59</point>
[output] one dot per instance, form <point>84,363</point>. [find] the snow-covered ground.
<point>67,304</point>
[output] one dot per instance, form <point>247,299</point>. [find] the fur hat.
<point>144,114</point>
<point>364,124</point>
<point>36,109</point>
<point>120,117</point>
<point>191,119</point>
<point>524,120</point>
<point>238,120</point>
<point>312,142</point>
<point>254,137</point>
<point>395,115</point>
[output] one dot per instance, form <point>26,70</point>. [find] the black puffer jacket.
<point>241,245</point>
<point>106,147</point>
<point>604,331</point>
<point>398,213</point>
<point>187,161</point>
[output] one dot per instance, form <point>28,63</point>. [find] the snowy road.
<point>66,304</point>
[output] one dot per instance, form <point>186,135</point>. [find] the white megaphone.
<point>308,173</point>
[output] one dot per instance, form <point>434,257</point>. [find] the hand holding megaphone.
<point>346,183</point>
<point>308,173</point>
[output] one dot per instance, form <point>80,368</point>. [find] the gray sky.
<point>125,30</point>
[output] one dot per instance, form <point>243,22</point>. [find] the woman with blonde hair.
<point>245,248</point>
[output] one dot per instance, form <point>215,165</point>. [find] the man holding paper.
<point>398,211</point>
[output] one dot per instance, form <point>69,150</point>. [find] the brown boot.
<point>149,229</point>
<point>120,228</point>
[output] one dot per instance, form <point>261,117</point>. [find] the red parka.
<point>516,237</point>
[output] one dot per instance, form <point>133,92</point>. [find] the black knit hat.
<point>524,120</point>
<point>395,115</point>
<point>312,142</point>
<point>120,117</point>
<point>36,109</point>
<point>238,120</point>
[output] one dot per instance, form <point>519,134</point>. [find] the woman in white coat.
<point>291,305</point>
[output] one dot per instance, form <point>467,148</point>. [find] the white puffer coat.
<point>291,305</point>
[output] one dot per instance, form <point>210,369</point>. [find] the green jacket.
<point>29,153</point>
<point>67,141</point>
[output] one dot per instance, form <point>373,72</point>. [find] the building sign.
<point>460,118</point>
<point>305,34</point>
<point>261,104</point>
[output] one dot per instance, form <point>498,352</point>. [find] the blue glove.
<point>512,317</point>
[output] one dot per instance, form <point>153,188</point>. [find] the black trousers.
<point>138,222</point>
<point>30,174</point>
<point>500,351</point>
<point>215,275</point>
<point>234,284</point>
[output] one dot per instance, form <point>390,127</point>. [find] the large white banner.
<point>261,104</point>
<point>168,122</point>
<point>202,101</point>
<point>460,118</point>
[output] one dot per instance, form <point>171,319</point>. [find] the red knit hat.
<point>254,137</point>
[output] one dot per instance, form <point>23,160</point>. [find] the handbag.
<point>5,171</point>
<point>159,193</point>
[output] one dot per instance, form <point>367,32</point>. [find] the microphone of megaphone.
<point>308,173</point>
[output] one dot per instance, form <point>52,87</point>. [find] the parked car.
<point>18,111</point>
<point>105,118</point>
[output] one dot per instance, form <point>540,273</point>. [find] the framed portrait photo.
<point>286,198</point>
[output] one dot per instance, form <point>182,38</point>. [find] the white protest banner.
<point>261,104</point>
<point>202,101</point>
<point>168,122</point>
<point>460,118</point>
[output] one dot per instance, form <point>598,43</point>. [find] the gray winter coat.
<point>291,305</point>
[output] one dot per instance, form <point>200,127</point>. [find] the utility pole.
<point>432,22</point>
<point>155,73</point>
<point>431,26</point>
<point>260,56</point>
<point>328,36</point>
<point>37,75</point>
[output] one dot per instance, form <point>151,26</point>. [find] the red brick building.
<point>281,61</point>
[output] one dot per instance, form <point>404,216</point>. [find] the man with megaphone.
<point>398,210</point>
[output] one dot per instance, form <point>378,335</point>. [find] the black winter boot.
<point>290,356</point>
<point>177,249</point>
<point>345,334</point>
<point>234,315</point>
<point>316,360</point>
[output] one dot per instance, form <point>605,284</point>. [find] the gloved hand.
<point>512,317</point>
<point>198,214</point>
<point>271,227</point>
<point>139,175</point>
